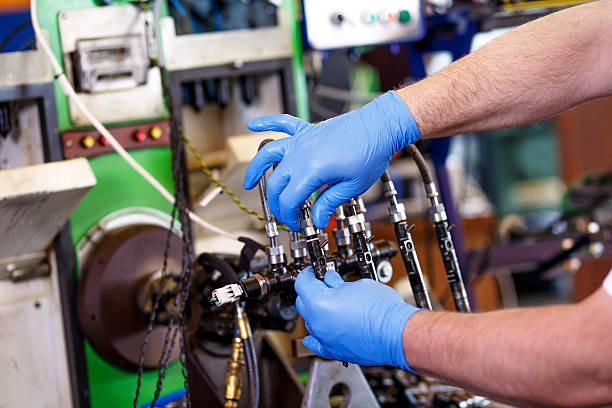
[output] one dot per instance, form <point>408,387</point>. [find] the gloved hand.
<point>357,322</point>
<point>348,152</point>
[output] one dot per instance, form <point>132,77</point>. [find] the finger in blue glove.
<point>359,322</point>
<point>348,153</point>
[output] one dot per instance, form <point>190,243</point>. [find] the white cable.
<point>210,196</point>
<point>70,93</point>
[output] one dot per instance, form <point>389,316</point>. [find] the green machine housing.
<point>120,188</point>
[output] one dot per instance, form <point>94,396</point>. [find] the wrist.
<point>397,119</point>
<point>396,318</point>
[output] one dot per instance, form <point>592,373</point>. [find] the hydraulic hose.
<point>211,262</point>
<point>250,357</point>
<point>437,215</point>
<point>276,254</point>
<point>418,158</point>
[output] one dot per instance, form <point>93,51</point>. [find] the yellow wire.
<point>219,183</point>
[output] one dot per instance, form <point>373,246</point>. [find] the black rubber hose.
<point>252,368</point>
<point>416,154</point>
<point>211,262</point>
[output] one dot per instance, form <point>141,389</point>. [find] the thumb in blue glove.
<point>358,322</point>
<point>348,153</point>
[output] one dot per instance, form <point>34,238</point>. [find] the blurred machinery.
<point>154,313</point>
<point>343,24</point>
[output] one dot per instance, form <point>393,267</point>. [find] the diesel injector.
<point>358,231</point>
<point>299,253</point>
<point>342,235</point>
<point>397,216</point>
<point>314,246</point>
<point>437,214</point>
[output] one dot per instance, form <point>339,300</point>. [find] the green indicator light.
<point>404,16</point>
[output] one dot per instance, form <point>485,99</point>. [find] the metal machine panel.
<point>127,89</point>
<point>30,194</point>
<point>234,47</point>
<point>26,67</point>
<point>349,23</point>
<point>33,354</point>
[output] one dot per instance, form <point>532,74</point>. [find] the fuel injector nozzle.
<point>315,247</point>
<point>342,235</point>
<point>357,228</point>
<point>437,214</point>
<point>397,216</point>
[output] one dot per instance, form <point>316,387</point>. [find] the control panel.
<point>89,143</point>
<point>333,24</point>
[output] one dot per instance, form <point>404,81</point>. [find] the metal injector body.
<point>276,253</point>
<point>437,215</point>
<point>397,216</point>
<point>233,375</point>
<point>299,253</point>
<point>314,246</point>
<point>358,231</point>
<point>342,235</point>
<point>361,209</point>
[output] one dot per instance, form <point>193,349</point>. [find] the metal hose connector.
<point>262,189</point>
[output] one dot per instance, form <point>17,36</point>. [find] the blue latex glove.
<point>357,322</point>
<point>349,152</point>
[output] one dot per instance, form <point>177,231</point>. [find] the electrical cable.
<point>71,94</point>
<point>153,315</point>
<point>182,298</point>
<point>206,170</point>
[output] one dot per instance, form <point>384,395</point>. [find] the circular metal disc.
<point>111,279</point>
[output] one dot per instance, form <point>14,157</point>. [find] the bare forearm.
<point>530,357</point>
<point>533,72</point>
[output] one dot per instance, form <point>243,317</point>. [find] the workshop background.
<point>107,287</point>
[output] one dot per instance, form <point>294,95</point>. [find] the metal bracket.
<point>326,374</point>
<point>24,267</point>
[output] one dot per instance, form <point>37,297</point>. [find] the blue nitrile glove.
<point>357,322</point>
<point>348,152</point>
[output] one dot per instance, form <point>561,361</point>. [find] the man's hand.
<point>358,322</point>
<point>348,152</point>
